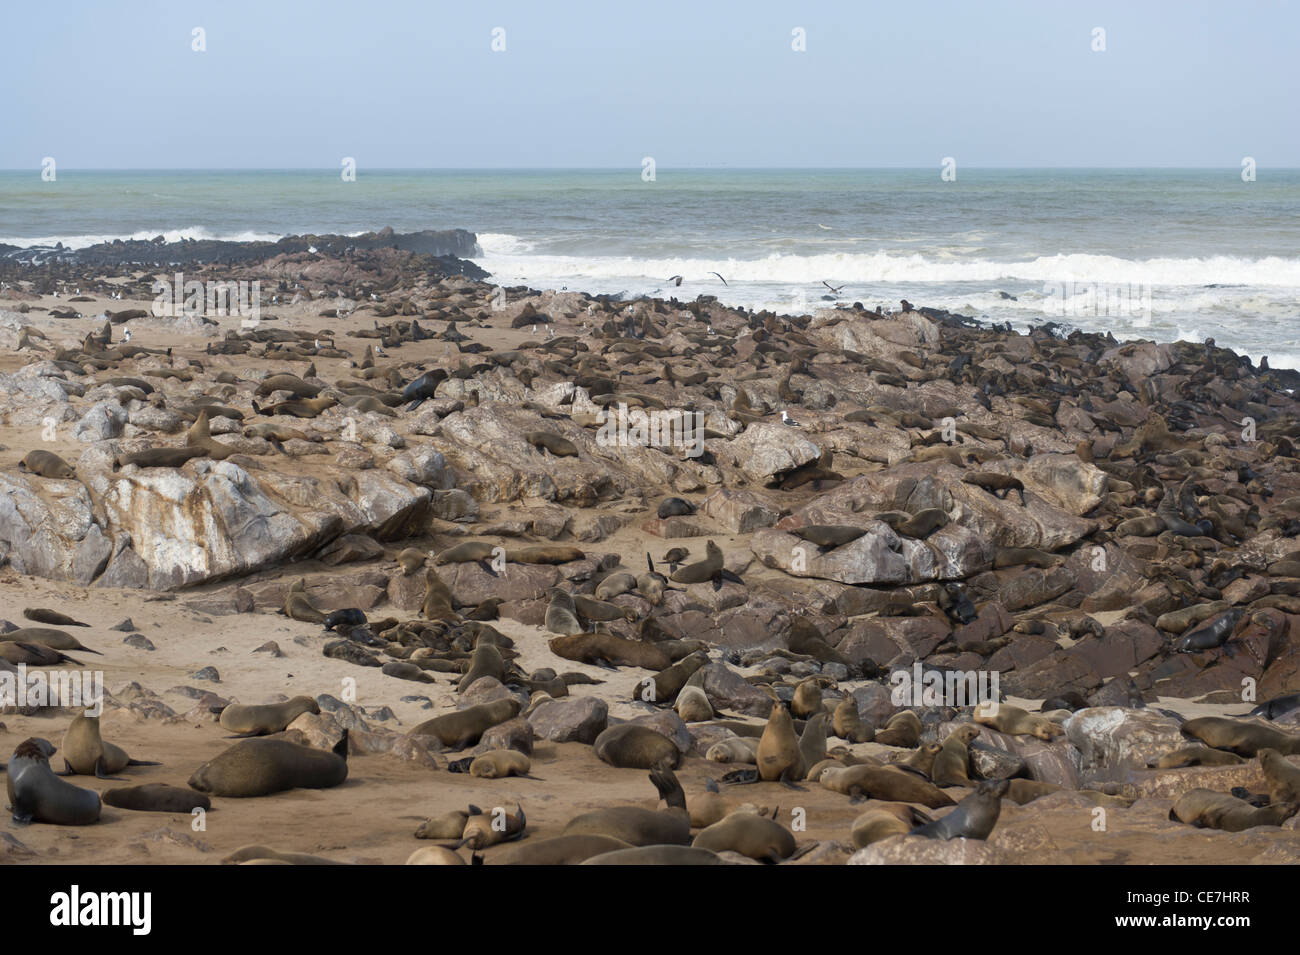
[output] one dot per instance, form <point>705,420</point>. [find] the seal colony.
<point>571,638</point>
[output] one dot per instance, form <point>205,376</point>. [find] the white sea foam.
<point>171,235</point>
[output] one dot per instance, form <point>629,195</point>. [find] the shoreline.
<point>1116,447</point>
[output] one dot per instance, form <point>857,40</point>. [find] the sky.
<point>692,84</point>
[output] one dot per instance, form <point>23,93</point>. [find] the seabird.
<point>832,287</point>
<point>786,419</point>
<point>826,227</point>
<point>675,279</point>
<point>724,281</point>
<point>126,335</point>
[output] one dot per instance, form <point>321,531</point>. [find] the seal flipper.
<point>728,575</point>
<point>67,770</point>
<point>21,818</point>
<point>141,762</point>
<point>341,747</point>
<point>487,567</point>
<point>100,771</point>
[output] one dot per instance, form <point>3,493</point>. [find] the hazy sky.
<point>417,84</point>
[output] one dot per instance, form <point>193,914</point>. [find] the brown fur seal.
<point>37,795</point>
<point>637,826</point>
<point>807,699</point>
<point>265,855</point>
<point>631,746</point>
<point>46,637</point>
<point>974,817</point>
<point>884,819</point>
<point>159,457</point>
<point>919,525</point>
<point>490,829</point>
<point>598,611</point>
<point>707,569</point>
<point>669,682</point>
<point>437,603</point>
<point>450,825</point>
<point>47,464</point>
<point>297,407</point>
<point>1014,721</point>
<point>464,727</point>
<point>609,649</point>
<point>848,724</point>
<point>615,584</point>
<point>1283,777</point>
<point>1195,756</point>
<point>558,850</point>
<point>829,535</point>
<point>812,743</point>
<point>952,764</point>
<point>434,855</point>
<point>500,763</point>
<point>290,383</point>
<point>486,661</point>
<point>993,482</point>
<point>87,754</point>
<point>921,760</point>
<point>156,797</point>
<point>200,436</point>
<point>267,718</point>
<point>903,729</point>
<point>33,654</point>
<point>544,554</point>
<point>561,615</point>
<point>52,617</point>
<point>558,446</point>
<point>750,834</point>
<point>1207,809</point>
<point>411,559</point>
<point>778,755</point>
<point>260,767</point>
<point>298,606</point>
<point>657,855</point>
<point>736,749</point>
<point>693,705</point>
<point>883,782</point>
<point>1244,739</point>
<point>1021,791</point>
<point>465,553</point>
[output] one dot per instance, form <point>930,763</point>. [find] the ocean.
<point>1165,254</point>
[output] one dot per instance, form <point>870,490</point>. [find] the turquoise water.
<point>1153,253</point>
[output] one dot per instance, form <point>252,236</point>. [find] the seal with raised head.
<point>1282,776</point>
<point>847,722</point>
<point>266,718</point>
<point>778,755</point>
<point>710,568</point>
<point>86,753</point>
<point>974,817</point>
<point>903,729</point>
<point>298,606</point>
<point>638,826</point>
<point>561,615</point>
<point>36,794</point>
<point>952,764</point>
<point>260,767</point>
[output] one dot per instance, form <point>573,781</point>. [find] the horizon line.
<point>631,168</point>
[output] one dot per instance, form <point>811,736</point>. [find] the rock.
<point>516,734</point>
<point>139,641</point>
<point>1112,738</point>
<point>739,512</point>
<point>728,692</point>
<point>207,673</point>
<point>574,719</point>
<point>917,850</point>
<point>105,420</point>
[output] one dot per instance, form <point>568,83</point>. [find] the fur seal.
<point>615,584</point>
<point>1014,721</point>
<point>674,507</point>
<point>1278,706</point>
<point>500,763</point>
<point>544,554</point>
<point>52,617</point>
<point>952,764</point>
<point>974,817</point>
<point>265,855</point>
<point>848,724</point>
<point>637,826</point>
<point>1244,739</point>
<point>260,767</point>
<point>778,755</point>
<point>884,819</point>
<point>486,661</point>
<point>1211,635</point>
<point>558,850</point>
<point>903,729</point>
<point>561,614</point>
<point>411,559</point>
<point>750,834</point>
<point>598,611</point>
<point>1195,756</point>
<point>450,825</point>
<point>298,606</point>
<point>264,719</point>
<point>665,685</point>
<point>47,464</point>
<point>919,525</point>
<point>33,654</point>
<point>1283,777</point>
<point>693,705</point>
<point>994,483</point>
<point>558,446</point>
<point>829,535</point>
<point>467,552</point>
<point>807,699</point>
<point>657,855</point>
<point>611,650</point>
<point>36,794</point>
<point>697,573</point>
<point>86,753</point>
<point>736,749</point>
<point>46,637</point>
<point>158,457</point>
<point>632,746</point>
<point>297,407</point>
<point>464,727</point>
<point>434,855</point>
<point>1207,809</point>
<point>156,797</point>
<point>883,782</point>
<point>484,829</point>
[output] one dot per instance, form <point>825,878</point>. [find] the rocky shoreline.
<point>1108,528</point>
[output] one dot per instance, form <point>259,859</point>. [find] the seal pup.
<point>847,722</point>
<point>465,727</point>
<point>36,794</point>
<point>54,618</point>
<point>884,819</point>
<point>260,767</point>
<point>974,817</point>
<point>561,614</point>
<point>952,763</point>
<point>434,855</point>
<point>264,719</point>
<point>298,606</point>
<point>47,464</point>
<point>1283,777</point>
<point>86,753</point>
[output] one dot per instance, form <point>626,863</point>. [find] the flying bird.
<point>675,279</point>
<point>832,287</point>
<point>724,281</point>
